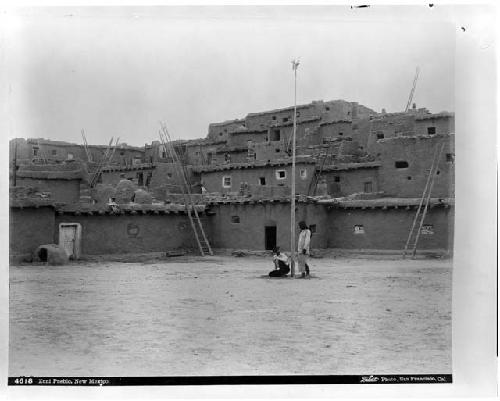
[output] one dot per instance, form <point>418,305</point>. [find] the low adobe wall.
<point>109,234</point>
<point>30,228</point>
<point>249,233</point>
<point>388,229</point>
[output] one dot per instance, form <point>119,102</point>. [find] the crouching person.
<point>281,264</point>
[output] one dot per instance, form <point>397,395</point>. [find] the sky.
<point>119,71</point>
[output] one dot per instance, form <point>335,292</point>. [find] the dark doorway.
<point>270,232</point>
<point>42,254</point>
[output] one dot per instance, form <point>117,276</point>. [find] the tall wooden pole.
<point>295,65</point>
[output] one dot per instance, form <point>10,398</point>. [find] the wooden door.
<point>67,238</point>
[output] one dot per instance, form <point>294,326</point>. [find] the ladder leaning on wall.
<point>194,218</point>
<point>424,201</point>
<point>313,185</point>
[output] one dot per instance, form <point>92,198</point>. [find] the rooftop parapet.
<point>255,164</point>
<point>352,166</point>
<point>126,208</point>
<point>65,171</point>
<point>395,203</point>
<point>414,138</point>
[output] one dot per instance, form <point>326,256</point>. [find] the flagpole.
<point>295,65</point>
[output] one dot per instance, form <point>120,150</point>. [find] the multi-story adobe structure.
<point>364,172</point>
<point>32,150</point>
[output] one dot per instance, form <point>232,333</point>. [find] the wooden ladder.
<point>105,160</point>
<point>194,218</point>
<point>311,191</point>
<point>424,203</point>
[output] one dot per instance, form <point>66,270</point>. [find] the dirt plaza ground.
<point>219,316</point>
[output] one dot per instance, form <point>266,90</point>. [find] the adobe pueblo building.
<point>361,178</point>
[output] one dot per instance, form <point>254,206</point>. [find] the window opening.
<point>226,181</point>
<point>280,174</point>
<point>359,229</point>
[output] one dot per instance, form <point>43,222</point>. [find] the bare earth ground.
<point>218,316</point>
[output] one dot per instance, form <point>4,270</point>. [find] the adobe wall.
<point>201,154</point>
<point>66,191</point>
<point>346,182</point>
<point>443,125</point>
<point>130,234</point>
<point>257,121</point>
<point>250,232</point>
<point>165,175</point>
<point>21,148</point>
<point>242,138</point>
<point>212,180</point>
<point>335,130</point>
<point>388,229</point>
<point>361,131</point>
<point>392,125</point>
<point>30,228</point>
<point>307,133</point>
<point>114,177</point>
<point>219,131</point>
<point>236,156</point>
<point>418,152</point>
<point>267,151</point>
<point>58,152</point>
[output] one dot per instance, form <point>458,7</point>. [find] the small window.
<point>197,153</point>
<point>341,133</point>
<point>169,175</point>
<point>70,156</point>
<point>336,178</point>
<point>122,153</point>
<point>380,135</point>
<point>280,174</point>
<point>35,150</point>
<point>427,229</point>
<point>274,117</point>
<point>298,114</point>
<point>359,229</point>
<point>303,174</point>
<point>431,130</point>
<point>235,219</point>
<point>368,187</point>
<point>225,129</point>
<point>285,119</point>
<point>275,135</point>
<point>277,150</point>
<point>220,134</point>
<point>312,228</point>
<point>401,164</point>
<point>408,178</point>
<point>327,108</point>
<point>226,181</point>
<point>54,152</point>
<point>450,157</point>
<point>262,180</point>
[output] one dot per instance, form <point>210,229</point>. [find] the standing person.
<point>303,248</point>
<point>281,263</point>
